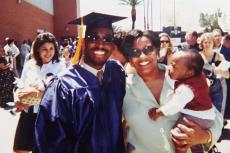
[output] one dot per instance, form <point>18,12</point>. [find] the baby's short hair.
<point>193,61</point>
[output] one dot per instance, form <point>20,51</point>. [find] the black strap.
<point>213,58</point>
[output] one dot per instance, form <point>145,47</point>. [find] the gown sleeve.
<point>50,125</point>
<point>60,123</point>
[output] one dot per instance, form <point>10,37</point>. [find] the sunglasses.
<point>94,38</point>
<point>137,52</point>
<point>164,41</point>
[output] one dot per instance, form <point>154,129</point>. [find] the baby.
<point>191,92</point>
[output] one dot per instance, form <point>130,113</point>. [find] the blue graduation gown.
<point>78,115</point>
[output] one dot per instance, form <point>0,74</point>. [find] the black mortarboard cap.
<point>97,20</point>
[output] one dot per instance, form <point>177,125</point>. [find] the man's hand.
<point>189,135</point>
<point>154,114</point>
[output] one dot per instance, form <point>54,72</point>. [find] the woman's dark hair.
<point>154,37</point>
<point>134,34</point>
<point>41,39</point>
<point>118,40</point>
<point>227,37</point>
<point>3,60</point>
<point>10,40</point>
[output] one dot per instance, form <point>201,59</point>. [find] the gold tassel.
<point>79,43</point>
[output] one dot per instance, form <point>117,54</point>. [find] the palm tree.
<point>151,5</point>
<point>116,28</point>
<point>144,15</point>
<point>133,4</point>
<point>148,14</point>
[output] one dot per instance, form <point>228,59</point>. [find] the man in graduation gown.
<point>80,113</point>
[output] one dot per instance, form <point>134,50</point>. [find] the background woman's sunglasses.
<point>137,52</point>
<point>95,38</point>
<point>164,41</point>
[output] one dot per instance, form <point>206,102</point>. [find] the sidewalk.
<point>224,145</point>
<point>8,124</point>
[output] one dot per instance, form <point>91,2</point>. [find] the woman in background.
<point>212,59</point>
<point>166,49</point>
<point>32,83</point>
<point>67,55</point>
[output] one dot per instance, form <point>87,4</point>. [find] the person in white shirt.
<point>66,56</point>
<point>32,83</point>
<point>25,50</point>
<point>11,52</point>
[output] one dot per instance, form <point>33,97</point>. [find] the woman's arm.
<point>220,70</point>
<point>15,67</point>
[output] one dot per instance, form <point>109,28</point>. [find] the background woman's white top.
<point>36,76</point>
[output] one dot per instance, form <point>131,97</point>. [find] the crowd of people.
<point>129,92</point>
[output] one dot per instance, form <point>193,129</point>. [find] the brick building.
<point>23,19</point>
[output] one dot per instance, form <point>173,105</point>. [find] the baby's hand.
<point>154,114</point>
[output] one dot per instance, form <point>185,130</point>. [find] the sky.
<point>187,12</point>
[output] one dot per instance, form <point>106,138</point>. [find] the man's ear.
<point>113,46</point>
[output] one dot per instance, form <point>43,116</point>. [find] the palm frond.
<point>125,2</point>
<point>130,2</point>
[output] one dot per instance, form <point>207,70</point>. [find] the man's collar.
<point>89,68</point>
